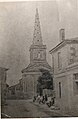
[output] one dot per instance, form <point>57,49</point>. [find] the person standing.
<point>46,97</point>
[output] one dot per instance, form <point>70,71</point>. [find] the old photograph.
<point>39,59</point>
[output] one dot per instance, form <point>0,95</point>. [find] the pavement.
<point>29,109</point>
<point>22,109</point>
<point>50,112</point>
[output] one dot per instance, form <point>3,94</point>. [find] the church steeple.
<point>37,49</point>
<point>37,37</point>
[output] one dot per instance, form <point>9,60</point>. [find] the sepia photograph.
<point>39,59</point>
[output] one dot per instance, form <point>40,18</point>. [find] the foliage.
<point>45,81</point>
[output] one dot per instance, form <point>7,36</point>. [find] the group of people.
<point>44,99</point>
<point>40,99</point>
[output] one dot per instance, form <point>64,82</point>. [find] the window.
<point>75,86</point>
<point>13,91</point>
<point>59,89</point>
<point>26,87</point>
<point>76,77</point>
<point>39,55</point>
<point>72,54</point>
<point>73,51</point>
<point>35,54</point>
<point>59,60</point>
<point>53,63</point>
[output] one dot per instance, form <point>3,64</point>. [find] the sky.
<point>17,27</point>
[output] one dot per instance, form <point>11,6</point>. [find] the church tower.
<point>37,49</point>
<point>31,73</point>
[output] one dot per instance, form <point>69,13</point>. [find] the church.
<point>38,61</point>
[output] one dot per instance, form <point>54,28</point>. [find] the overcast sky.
<point>17,26</point>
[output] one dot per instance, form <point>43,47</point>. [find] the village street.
<point>26,108</point>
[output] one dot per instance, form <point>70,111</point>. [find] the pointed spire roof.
<point>37,38</point>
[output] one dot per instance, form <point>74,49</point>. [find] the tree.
<point>45,81</point>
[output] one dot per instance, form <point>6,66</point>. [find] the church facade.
<point>38,61</point>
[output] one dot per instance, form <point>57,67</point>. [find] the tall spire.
<point>37,38</point>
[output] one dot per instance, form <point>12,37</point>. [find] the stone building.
<point>3,77</point>
<point>37,61</point>
<point>16,91</point>
<point>7,90</point>
<point>65,70</point>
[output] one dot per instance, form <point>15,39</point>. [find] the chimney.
<point>62,35</point>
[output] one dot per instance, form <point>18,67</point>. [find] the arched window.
<point>39,55</point>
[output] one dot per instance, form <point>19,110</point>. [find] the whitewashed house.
<point>65,68</point>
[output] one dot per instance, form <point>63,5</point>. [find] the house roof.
<point>64,42</point>
<point>35,67</point>
<point>2,68</point>
<point>17,86</point>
